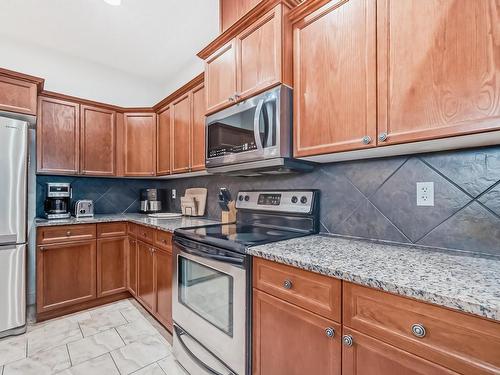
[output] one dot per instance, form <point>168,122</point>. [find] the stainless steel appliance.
<point>212,278</point>
<point>57,202</point>
<point>83,208</point>
<point>153,200</point>
<point>253,137</point>
<point>13,209</point>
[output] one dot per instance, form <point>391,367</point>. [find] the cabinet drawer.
<point>132,229</point>
<point>317,293</point>
<point>65,233</point>
<point>163,240</point>
<point>459,341</point>
<point>144,233</point>
<point>111,230</point>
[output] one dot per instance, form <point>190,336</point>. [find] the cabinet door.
<point>438,68</point>
<point>289,340</point>
<point>334,78</point>
<point>163,142</point>
<point>220,77</point>
<point>66,274</point>
<point>163,286</point>
<point>259,54</point>
<point>111,266</point>
<point>132,266</point>
<point>145,275</point>
<point>58,136</point>
<point>17,96</point>
<point>198,129</point>
<point>371,356</point>
<point>181,129</point>
<point>97,141</point>
<point>228,13</point>
<point>140,144</point>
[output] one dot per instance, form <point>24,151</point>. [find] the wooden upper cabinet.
<point>163,131</point>
<point>288,340</point>
<point>371,356</point>
<point>220,77</point>
<point>181,129</point>
<point>438,68</point>
<point>17,95</point>
<point>232,10</point>
<point>335,78</point>
<point>58,136</point>
<point>198,129</point>
<point>97,141</point>
<point>259,54</point>
<point>140,144</point>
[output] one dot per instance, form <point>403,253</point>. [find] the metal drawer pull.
<point>418,330</point>
<point>42,248</point>
<point>287,284</point>
<point>347,340</point>
<point>68,233</point>
<point>330,332</point>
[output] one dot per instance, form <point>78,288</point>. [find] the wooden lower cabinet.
<point>66,274</point>
<point>111,266</point>
<point>132,266</point>
<point>163,287</point>
<point>371,356</point>
<point>145,275</point>
<point>289,340</point>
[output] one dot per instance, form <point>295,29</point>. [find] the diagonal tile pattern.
<point>389,184</point>
<point>143,349</point>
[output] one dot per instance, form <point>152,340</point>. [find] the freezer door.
<point>12,287</point>
<point>13,177</point>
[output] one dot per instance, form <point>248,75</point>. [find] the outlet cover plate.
<point>425,193</point>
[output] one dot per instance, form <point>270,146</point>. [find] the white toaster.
<point>84,208</point>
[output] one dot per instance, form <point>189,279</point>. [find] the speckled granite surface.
<point>462,282</point>
<point>163,224</point>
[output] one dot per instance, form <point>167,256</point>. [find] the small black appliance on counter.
<point>57,202</point>
<point>153,201</point>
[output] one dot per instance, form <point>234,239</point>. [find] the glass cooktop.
<point>237,236</point>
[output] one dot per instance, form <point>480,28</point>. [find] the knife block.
<point>229,216</point>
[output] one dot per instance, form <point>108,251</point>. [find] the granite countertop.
<point>456,280</point>
<point>168,225</point>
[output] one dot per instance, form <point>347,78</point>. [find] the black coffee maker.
<point>57,202</point>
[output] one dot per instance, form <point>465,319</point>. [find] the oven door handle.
<point>256,123</point>
<point>221,258</point>
<point>179,332</point>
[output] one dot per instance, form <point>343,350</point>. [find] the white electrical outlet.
<point>425,193</point>
<point>174,193</point>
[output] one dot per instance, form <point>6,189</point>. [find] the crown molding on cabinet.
<point>187,87</point>
<point>39,82</point>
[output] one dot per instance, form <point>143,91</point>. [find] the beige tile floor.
<point>116,339</point>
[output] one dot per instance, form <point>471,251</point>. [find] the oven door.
<point>209,308</point>
<point>250,130</point>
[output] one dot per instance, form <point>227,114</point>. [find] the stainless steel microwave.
<point>253,137</point>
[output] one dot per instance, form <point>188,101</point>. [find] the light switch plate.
<point>425,193</point>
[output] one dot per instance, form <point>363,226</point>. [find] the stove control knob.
<point>247,198</point>
<point>303,200</point>
<point>240,197</point>
<point>295,199</point>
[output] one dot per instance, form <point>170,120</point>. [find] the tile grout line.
<point>69,356</point>
<point>111,356</point>
<point>390,221</point>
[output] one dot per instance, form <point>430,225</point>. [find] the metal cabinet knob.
<point>382,137</point>
<point>68,233</point>
<point>287,284</point>
<point>42,248</point>
<point>347,340</point>
<point>237,96</point>
<point>231,99</point>
<point>330,332</point>
<point>418,330</point>
<point>366,139</point>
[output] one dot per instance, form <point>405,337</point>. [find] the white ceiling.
<point>153,40</point>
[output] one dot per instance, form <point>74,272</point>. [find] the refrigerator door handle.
<point>8,239</point>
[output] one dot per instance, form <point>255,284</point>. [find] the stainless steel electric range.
<point>212,278</point>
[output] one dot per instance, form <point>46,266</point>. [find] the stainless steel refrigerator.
<point>13,227</point>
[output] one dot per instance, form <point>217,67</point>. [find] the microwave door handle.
<point>256,123</point>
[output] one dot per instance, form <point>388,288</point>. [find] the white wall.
<point>73,76</point>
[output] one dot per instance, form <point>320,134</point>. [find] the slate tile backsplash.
<point>368,198</point>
